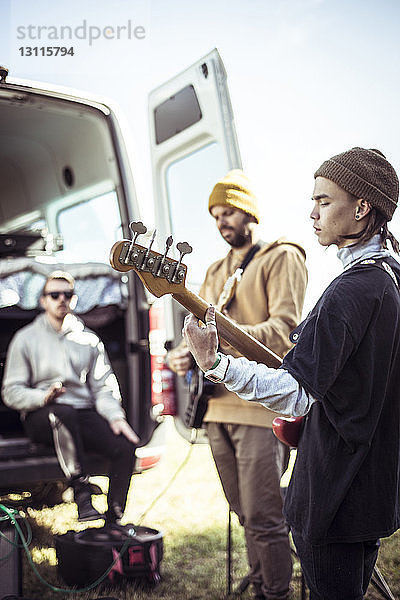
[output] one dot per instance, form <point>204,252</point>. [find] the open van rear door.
<point>193,144</point>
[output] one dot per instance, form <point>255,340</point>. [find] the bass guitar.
<point>162,275</point>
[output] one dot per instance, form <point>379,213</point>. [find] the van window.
<point>177,113</point>
<point>89,229</point>
<point>190,181</point>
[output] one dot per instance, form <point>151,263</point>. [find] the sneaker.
<point>83,499</point>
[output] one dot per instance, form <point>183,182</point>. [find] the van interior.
<point>63,206</point>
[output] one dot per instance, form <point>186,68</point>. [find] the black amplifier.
<point>85,556</point>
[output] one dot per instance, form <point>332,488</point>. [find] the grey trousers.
<point>250,462</point>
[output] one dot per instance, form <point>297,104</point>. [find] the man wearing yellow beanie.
<point>265,299</point>
<point>234,190</point>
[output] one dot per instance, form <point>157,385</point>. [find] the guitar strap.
<point>200,389</point>
<point>382,265</point>
<point>228,292</point>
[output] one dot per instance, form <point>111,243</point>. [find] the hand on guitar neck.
<point>202,341</point>
<point>162,275</point>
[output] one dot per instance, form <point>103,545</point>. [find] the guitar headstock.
<point>159,273</point>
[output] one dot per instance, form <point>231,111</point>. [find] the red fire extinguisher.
<point>162,378</point>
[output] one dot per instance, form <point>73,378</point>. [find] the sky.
<point>307,79</point>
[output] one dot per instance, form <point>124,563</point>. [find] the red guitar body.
<point>287,430</point>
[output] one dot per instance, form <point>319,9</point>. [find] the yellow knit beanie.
<point>234,190</point>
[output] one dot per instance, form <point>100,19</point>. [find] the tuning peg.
<point>168,244</point>
<point>152,240</point>
<point>137,228</point>
<point>149,262</point>
<point>183,248</point>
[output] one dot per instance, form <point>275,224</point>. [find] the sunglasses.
<point>56,295</point>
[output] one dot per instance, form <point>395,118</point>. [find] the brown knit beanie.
<point>365,174</point>
<point>234,190</point>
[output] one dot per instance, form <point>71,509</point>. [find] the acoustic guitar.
<point>162,275</point>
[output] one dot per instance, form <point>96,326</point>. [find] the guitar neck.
<point>162,275</point>
<point>243,342</point>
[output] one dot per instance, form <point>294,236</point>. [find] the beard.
<point>235,238</point>
<point>238,240</point>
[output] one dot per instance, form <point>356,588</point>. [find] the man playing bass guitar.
<point>344,375</point>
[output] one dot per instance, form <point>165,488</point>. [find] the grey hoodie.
<point>39,356</point>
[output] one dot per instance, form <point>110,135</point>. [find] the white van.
<point>67,194</point>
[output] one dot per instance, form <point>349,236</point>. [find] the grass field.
<point>192,514</point>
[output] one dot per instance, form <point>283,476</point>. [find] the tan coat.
<point>268,303</point>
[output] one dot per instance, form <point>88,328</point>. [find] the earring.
<point>357,216</point>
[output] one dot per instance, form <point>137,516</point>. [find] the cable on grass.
<point>11,515</point>
<point>193,436</point>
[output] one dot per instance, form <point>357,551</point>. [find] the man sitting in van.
<point>58,375</point>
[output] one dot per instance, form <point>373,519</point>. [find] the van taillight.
<point>162,378</point>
